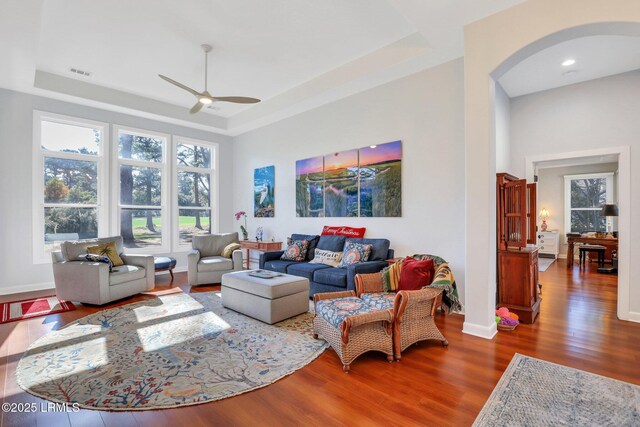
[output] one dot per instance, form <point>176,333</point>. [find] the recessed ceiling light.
<point>372,146</point>
<point>568,62</point>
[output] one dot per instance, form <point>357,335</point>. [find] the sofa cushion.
<point>332,259</point>
<point>72,250</point>
<point>213,244</point>
<point>379,300</point>
<point>214,263</point>
<point>125,273</point>
<point>296,250</point>
<point>313,242</point>
<point>304,269</point>
<point>331,276</point>
<point>278,265</point>
<point>336,310</point>
<point>354,253</point>
<point>331,243</point>
<point>379,247</point>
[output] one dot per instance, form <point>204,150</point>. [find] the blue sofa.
<point>324,278</point>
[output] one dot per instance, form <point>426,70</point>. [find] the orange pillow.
<point>415,274</point>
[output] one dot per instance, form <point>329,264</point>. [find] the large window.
<point>142,189</point>
<point>155,190</point>
<point>70,192</point>
<point>584,197</point>
<point>195,174</point>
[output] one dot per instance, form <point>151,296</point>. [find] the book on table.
<point>264,274</point>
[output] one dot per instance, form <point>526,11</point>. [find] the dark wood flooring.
<point>432,385</point>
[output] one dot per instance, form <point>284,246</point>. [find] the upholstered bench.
<point>163,263</point>
<point>269,300</point>
<point>351,326</point>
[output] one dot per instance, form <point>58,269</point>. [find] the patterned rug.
<point>24,309</point>
<point>173,350</point>
<point>533,392</point>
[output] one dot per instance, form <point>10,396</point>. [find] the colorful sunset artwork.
<point>381,180</point>
<point>341,184</point>
<point>264,192</point>
<point>309,187</point>
<point>365,182</point>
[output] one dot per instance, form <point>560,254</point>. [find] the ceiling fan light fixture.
<point>205,101</point>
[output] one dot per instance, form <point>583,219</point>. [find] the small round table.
<point>163,263</point>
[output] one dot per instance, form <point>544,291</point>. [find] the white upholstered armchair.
<point>91,282</point>
<point>206,264</point>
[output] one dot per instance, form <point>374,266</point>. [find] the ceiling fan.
<point>204,97</point>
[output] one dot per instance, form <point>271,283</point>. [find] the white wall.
<point>590,115</point>
<point>18,272</point>
<point>425,111</point>
<point>503,122</point>
<point>551,194</point>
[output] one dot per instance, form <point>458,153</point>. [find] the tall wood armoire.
<point>517,254</point>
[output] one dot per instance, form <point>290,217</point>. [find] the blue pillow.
<point>97,258</point>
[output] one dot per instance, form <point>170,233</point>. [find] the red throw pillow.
<point>343,231</point>
<point>415,274</point>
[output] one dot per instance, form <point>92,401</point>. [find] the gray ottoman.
<point>268,300</point>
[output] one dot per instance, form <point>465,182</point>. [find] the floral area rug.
<point>174,350</point>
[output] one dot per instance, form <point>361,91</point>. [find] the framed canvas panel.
<point>264,192</point>
<point>341,184</point>
<point>381,180</point>
<point>310,187</point>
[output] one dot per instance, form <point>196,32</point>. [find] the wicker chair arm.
<point>368,283</point>
<point>407,299</point>
<point>363,319</point>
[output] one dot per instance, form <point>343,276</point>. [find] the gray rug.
<point>533,392</point>
<point>544,263</point>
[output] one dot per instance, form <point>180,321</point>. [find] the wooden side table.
<point>393,260</point>
<point>259,246</point>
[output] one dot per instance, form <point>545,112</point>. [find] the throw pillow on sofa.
<point>354,253</point>
<point>326,257</point>
<point>227,252</point>
<point>109,250</point>
<point>415,274</point>
<point>296,250</point>
<point>96,258</point>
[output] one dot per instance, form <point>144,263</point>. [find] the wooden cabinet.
<point>548,243</point>
<point>518,282</point>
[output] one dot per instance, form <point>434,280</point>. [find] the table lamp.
<point>607,211</point>
<point>544,214</point>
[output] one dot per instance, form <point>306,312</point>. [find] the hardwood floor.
<point>432,385</point>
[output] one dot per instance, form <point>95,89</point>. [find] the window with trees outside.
<point>71,157</point>
<point>194,175</point>
<point>584,197</point>
<point>142,165</point>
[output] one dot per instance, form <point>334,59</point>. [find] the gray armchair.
<point>91,282</point>
<point>206,264</point>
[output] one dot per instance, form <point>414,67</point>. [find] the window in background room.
<point>70,191</point>
<point>142,189</point>
<point>195,174</point>
<point>584,197</point>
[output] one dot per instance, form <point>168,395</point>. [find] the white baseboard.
<point>634,316</point>
<point>27,288</point>
<point>486,332</point>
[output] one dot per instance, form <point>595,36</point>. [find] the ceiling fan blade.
<point>237,99</point>
<point>180,85</point>
<point>196,107</point>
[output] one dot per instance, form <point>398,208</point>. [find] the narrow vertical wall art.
<point>264,192</point>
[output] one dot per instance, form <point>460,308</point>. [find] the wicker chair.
<point>413,311</point>
<point>355,334</point>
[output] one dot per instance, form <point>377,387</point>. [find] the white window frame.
<point>213,190</point>
<point>102,160</point>
<point>165,190</point>
<point>608,176</point>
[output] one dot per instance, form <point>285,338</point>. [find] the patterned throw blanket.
<point>443,279</point>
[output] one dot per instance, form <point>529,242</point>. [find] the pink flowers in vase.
<point>243,228</point>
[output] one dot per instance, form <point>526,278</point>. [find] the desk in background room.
<point>610,243</point>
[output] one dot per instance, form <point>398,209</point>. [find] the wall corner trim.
<point>486,332</point>
<point>27,288</point>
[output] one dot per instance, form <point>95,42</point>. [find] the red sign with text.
<point>343,231</point>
